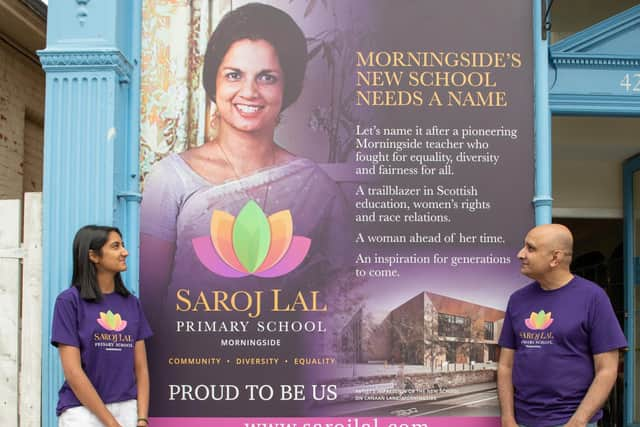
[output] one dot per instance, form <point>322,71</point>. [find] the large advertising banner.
<point>334,195</point>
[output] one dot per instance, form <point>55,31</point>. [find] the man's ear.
<point>556,258</point>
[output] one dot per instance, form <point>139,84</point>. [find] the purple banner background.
<point>422,339</point>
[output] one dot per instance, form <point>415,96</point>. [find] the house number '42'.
<point>631,82</point>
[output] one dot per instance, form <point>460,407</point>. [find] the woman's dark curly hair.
<point>256,21</point>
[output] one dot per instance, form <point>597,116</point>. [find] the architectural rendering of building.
<point>432,329</point>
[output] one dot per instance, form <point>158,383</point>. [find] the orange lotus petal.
<point>222,238</point>
<point>281,225</point>
<point>547,317</point>
<point>533,317</point>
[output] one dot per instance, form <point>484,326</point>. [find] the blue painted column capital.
<point>91,145</point>
<point>61,61</point>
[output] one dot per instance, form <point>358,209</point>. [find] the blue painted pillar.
<point>542,199</point>
<point>91,144</point>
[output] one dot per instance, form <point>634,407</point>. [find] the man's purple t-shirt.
<point>555,335</point>
<point>106,333</point>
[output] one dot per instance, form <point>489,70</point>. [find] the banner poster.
<point>360,279</point>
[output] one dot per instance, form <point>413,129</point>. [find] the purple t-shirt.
<point>106,333</point>
<point>555,335</point>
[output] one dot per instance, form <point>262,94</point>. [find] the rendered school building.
<point>433,330</point>
<point>429,329</point>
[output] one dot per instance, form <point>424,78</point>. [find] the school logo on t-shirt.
<point>112,340</point>
<point>537,322</point>
<point>251,244</point>
<point>111,322</point>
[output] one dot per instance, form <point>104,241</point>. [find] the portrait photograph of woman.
<point>252,73</point>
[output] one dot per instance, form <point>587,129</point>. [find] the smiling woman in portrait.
<point>254,69</point>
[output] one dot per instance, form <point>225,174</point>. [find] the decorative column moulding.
<point>83,11</point>
<point>609,61</point>
<point>595,104</point>
<point>596,70</point>
<point>611,43</point>
<point>88,60</point>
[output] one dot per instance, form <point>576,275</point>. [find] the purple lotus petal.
<point>211,260</point>
<point>529,324</point>
<point>293,258</point>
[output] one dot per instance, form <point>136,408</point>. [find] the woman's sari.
<point>218,326</point>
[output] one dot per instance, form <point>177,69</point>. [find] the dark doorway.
<point>597,256</point>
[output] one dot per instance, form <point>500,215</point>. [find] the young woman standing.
<point>99,329</point>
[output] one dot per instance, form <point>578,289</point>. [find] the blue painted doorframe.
<point>597,72</point>
<point>631,280</point>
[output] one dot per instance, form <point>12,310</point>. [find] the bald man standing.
<point>559,342</point>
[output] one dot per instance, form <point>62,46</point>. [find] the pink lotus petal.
<point>529,324</point>
<point>211,260</point>
<point>295,255</point>
<point>103,324</point>
<point>121,326</point>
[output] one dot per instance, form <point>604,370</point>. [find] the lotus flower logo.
<point>251,244</point>
<point>539,321</point>
<point>111,322</point>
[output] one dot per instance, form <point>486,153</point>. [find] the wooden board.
<point>31,336</point>
<point>10,230</point>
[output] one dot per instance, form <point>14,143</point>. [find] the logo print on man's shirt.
<point>539,321</point>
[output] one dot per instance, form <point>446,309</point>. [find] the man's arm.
<point>505,387</point>
<point>606,370</point>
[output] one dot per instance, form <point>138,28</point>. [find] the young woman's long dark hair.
<point>92,237</point>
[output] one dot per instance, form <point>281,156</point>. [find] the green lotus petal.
<point>251,236</point>
<point>111,320</point>
<point>540,319</point>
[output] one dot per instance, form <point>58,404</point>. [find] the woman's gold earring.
<point>215,119</point>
